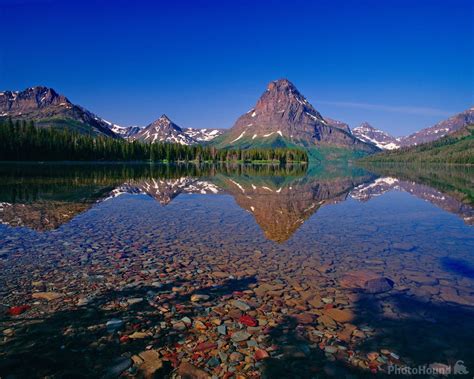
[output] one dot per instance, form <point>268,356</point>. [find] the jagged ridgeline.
<point>281,119</point>
<point>22,141</point>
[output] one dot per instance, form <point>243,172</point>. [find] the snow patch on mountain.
<point>202,135</point>
<point>367,133</point>
<point>165,130</point>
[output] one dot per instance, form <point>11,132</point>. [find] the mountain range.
<point>385,141</point>
<point>282,117</point>
<point>454,148</point>
<point>47,108</point>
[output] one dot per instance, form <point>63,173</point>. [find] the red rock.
<point>373,356</point>
<point>124,339</point>
<point>15,311</point>
<point>203,346</point>
<point>248,320</point>
<point>261,354</point>
<point>373,365</point>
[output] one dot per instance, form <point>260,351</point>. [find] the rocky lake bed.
<point>242,275</point>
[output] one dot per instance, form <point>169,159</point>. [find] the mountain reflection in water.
<point>44,197</point>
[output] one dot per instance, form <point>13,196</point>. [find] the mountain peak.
<point>282,115</point>
<point>164,117</point>
<point>365,124</point>
<point>44,94</point>
<point>280,84</point>
<point>163,130</point>
<point>40,89</point>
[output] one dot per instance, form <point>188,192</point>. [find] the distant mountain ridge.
<point>456,148</point>
<point>385,141</point>
<point>165,130</point>
<point>441,129</point>
<point>125,131</point>
<point>379,138</point>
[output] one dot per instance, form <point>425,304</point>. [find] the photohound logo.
<point>460,369</point>
<point>433,369</point>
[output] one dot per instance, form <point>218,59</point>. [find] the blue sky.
<point>400,65</point>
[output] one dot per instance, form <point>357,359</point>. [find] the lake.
<point>259,271</point>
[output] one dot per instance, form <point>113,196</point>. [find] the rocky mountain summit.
<point>379,138</point>
<point>163,130</point>
<point>48,108</point>
<point>283,115</point>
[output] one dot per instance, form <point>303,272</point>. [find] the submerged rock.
<point>48,296</point>
<point>366,281</point>
<point>199,297</point>
<point>241,305</point>
<point>339,315</point>
<point>187,371</point>
<point>152,364</point>
<point>118,366</point>
<point>114,324</point>
<point>240,336</point>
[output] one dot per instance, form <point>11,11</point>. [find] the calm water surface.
<point>301,272</point>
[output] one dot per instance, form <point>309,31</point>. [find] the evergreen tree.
<point>23,141</point>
